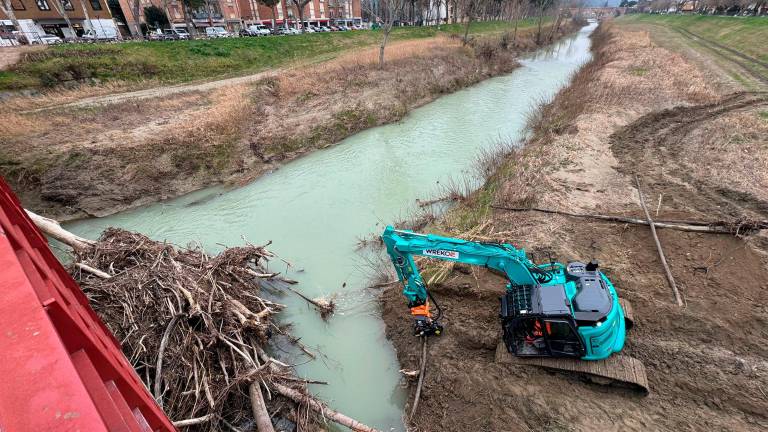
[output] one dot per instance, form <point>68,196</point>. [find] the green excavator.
<point>566,317</point>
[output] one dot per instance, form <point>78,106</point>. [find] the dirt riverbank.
<point>639,109</point>
<point>96,160</point>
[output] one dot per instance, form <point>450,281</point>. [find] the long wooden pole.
<point>717,227</point>
<point>422,371</point>
<point>668,272</point>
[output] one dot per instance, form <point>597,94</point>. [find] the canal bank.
<point>95,160</point>
<point>638,108</point>
<point>317,207</point>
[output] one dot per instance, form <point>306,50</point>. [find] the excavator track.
<point>629,314</point>
<point>620,370</point>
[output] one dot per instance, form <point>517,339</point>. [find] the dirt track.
<point>699,157</point>
<point>656,144</point>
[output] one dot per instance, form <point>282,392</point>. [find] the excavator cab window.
<point>542,337</point>
<point>525,337</point>
<point>562,339</point>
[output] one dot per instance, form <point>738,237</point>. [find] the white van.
<point>106,34</point>
<point>216,32</point>
<point>258,30</point>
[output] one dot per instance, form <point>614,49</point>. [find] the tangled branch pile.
<point>193,327</point>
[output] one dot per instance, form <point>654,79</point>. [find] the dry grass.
<point>58,96</point>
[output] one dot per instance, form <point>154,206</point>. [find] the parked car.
<point>334,28</point>
<point>100,35</point>
<point>176,34</point>
<point>343,28</point>
<point>324,29</point>
<point>156,35</point>
<point>257,30</point>
<point>45,39</point>
<point>289,31</point>
<point>309,29</point>
<point>217,32</point>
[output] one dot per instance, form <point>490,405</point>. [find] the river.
<point>315,209</point>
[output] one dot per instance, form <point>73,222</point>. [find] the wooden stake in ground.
<point>422,371</point>
<point>668,272</point>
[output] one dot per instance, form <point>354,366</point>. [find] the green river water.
<point>315,208</point>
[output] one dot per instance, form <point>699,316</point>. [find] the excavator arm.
<point>402,246</point>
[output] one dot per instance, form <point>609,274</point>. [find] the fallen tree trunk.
<point>714,227</point>
<point>52,228</point>
<point>260,413</point>
<point>320,408</point>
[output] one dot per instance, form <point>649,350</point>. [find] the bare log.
<point>714,227</point>
<point>159,366</point>
<point>193,421</point>
<point>668,272</point>
<point>319,407</point>
<point>93,271</point>
<point>52,228</point>
<point>422,371</point>
<point>260,413</point>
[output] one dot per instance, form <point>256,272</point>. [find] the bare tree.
<point>469,9</point>
<point>6,7</point>
<point>61,9</point>
<point>272,4</point>
<point>85,13</point>
<point>385,12</point>
<point>516,7</point>
<point>542,6</point>
<point>135,6</point>
<point>300,4</point>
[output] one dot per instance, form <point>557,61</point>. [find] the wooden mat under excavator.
<point>621,370</point>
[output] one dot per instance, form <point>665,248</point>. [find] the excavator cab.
<point>537,323</point>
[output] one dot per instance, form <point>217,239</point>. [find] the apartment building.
<point>322,12</point>
<point>38,17</point>
<point>222,13</point>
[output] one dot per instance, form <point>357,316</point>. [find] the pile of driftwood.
<point>195,328</point>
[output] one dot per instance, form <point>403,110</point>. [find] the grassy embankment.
<point>735,44</point>
<point>173,62</point>
<point>744,34</point>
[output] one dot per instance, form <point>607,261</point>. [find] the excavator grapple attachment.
<point>620,370</point>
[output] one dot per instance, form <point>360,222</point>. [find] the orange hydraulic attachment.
<point>422,310</point>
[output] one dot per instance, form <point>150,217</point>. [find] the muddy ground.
<point>700,153</point>
<point>78,159</point>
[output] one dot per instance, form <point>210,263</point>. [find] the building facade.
<point>316,12</point>
<point>39,17</point>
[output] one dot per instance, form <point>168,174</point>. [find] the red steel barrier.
<point>60,367</point>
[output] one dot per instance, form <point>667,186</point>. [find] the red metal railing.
<point>60,367</point>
